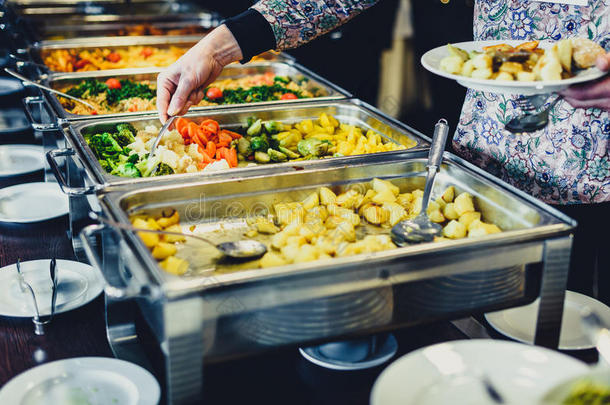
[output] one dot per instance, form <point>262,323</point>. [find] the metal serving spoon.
<point>241,249</point>
<point>420,228</point>
<point>162,132</point>
<point>42,86</point>
<point>531,122</point>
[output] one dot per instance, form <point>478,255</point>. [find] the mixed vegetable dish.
<point>114,95</point>
<point>205,146</point>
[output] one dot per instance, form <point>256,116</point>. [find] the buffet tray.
<point>39,50</point>
<point>293,70</point>
<point>346,110</point>
<point>216,316</point>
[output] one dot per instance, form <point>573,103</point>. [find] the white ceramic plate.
<point>78,284</point>
<point>447,373</point>
<point>83,381</point>
<point>16,160</point>
<point>431,61</point>
<point>520,323</point>
<point>32,202</point>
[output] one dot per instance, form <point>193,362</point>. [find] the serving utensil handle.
<point>435,157</point>
<point>42,86</point>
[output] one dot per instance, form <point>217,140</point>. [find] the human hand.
<point>592,95</point>
<point>181,85</point>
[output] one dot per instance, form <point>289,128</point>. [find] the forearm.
<point>295,23</point>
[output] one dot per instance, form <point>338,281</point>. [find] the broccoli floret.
<point>163,170</point>
<point>126,170</point>
<point>133,158</point>
<point>104,146</point>
<point>125,134</point>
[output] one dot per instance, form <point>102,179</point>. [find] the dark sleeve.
<point>252,32</point>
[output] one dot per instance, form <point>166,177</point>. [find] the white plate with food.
<point>516,67</point>
<point>520,323</point>
<point>453,373</point>
<point>78,284</point>
<point>83,380</point>
<point>32,202</point>
<point>17,160</point>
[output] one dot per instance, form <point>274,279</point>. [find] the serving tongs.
<point>25,287</point>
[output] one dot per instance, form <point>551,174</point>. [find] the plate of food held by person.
<point>517,67</point>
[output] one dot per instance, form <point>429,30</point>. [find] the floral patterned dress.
<point>567,162</point>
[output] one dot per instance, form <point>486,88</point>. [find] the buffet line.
<point>273,153</point>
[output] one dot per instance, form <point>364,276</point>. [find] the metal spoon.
<point>42,86</point>
<point>162,132</point>
<point>531,122</point>
<point>241,249</point>
<point>420,228</point>
<point>53,274</point>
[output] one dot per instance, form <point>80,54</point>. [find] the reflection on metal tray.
<point>234,71</point>
<point>256,309</point>
<point>348,111</point>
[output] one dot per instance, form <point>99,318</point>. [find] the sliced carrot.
<point>181,123</point>
<point>233,135</point>
<point>211,148</point>
<point>210,126</point>
<point>192,130</point>
<point>232,157</point>
<point>200,149</point>
<point>224,139</point>
<point>219,154</point>
<point>201,136</point>
<point>206,157</point>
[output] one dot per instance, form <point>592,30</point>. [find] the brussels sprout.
<point>255,128</point>
<point>289,153</point>
<point>243,147</point>
<point>273,126</point>
<point>276,156</point>
<point>259,143</point>
<point>312,147</point>
<point>261,157</point>
<point>250,121</point>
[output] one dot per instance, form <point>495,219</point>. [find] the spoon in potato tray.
<point>42,86</point>
<point>241,249</point>
<point>421,229</point>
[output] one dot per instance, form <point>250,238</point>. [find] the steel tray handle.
<point>29,103</point>
<point>63,184</point>
<point>110,275</point>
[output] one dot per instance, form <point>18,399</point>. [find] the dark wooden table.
<point>277,377</point>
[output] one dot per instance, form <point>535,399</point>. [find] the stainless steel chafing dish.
<point>233,71</point>
<point>39,50</point>
<point>73,20</point>
<point>350,111</point>
<point>212,317</point>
